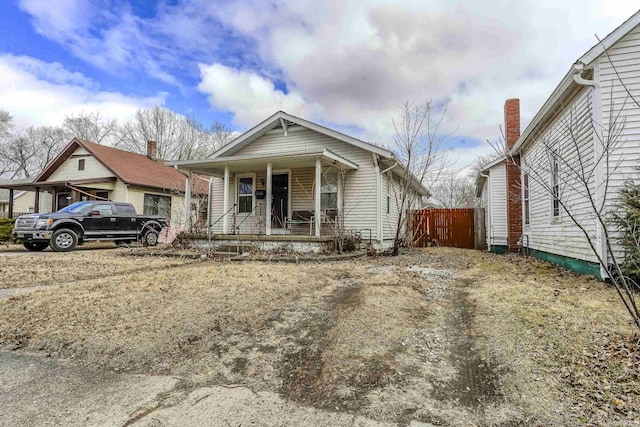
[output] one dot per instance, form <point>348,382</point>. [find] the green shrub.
<point>6,226</point>
<point>627,220</point>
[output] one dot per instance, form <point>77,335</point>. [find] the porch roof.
<point>44,185</point>
<point>247,162</point>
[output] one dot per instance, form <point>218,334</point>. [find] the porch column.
<point>187,201</point>
<point>10,213</point>
<point>318,192</point>
<point>225,201</point>
<point>54,196</point>
<point>36,201</point>
<point>269,200</point>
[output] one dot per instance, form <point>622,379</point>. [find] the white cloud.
<point>251,97</point>
<point>41,93</point>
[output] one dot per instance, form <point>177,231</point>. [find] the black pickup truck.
<point>84,221</point>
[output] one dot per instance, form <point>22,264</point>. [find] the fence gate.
<point>449,227</point>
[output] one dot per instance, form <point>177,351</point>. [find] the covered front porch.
<point>59,193</point>
<point>292,194</point>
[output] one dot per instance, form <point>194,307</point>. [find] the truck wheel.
<point>150,238</point>
<point>35,246</point>
<point>64,240</point>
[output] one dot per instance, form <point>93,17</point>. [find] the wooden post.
<point>54,196</point>
<point>225,201</point>
<point>317,207</point>
<point>10,213</point>
<point>36,201</point>
<point>269,200</point>
<point>187,201</point>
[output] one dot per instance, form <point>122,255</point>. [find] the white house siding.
<point>360,198</point>
<point>545,233</point>
<point>625,57</point>
<point>497,214</point>
<point>390,220</point>
<point>135,196</point>
<point>69,168</point>
<point>25,202</point>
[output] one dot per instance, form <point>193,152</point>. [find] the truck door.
<point>126,219</point>
<point>101,221</point>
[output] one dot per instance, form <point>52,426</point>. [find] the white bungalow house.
<point>288,179</point>
<point>581,146</point>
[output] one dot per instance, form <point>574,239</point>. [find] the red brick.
<point>514,195</point>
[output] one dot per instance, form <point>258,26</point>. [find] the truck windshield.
<point>77,207</point>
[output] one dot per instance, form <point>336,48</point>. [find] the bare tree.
<point>577,172</point>
<point>178,137</point>
<point>91,127</point>
<point>6,123</point>
<point>27,152</point>
<point>453,191</point>
<point>420,145</point>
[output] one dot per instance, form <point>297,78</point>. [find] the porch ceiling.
<point>244,163</point>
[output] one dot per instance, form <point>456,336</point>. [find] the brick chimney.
<point>152,150</point>
<point>514,191</point>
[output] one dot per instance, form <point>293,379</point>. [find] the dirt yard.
<point>444,336</point>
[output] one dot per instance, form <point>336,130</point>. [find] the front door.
<point>280,200</point>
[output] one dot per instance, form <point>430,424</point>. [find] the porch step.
<point>233,249</point>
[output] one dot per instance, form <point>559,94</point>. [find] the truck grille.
<point>25,222</point>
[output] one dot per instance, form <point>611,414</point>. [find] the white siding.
<point>497,213</point>
<point>68,170</point>
<point>360,198</point>
<point>560,235</point>
<point>625,56</point>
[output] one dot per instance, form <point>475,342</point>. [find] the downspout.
<point>595,118</point>
<point>489,209</point>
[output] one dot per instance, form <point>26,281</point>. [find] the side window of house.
<point>329,190</point>
<point>155,204</point>
<point>80,164</point>
<point>389,187</point>
<point>555,186</point>
<point>525,198</point>
<point>245,194</point>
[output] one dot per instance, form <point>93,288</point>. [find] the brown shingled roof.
<point>131,168</point>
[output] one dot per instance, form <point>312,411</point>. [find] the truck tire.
<point>150,238</point>
<point>63,240</point>
<point>35,246</point>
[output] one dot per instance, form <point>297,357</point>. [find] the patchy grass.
<point>26,270</point>
<point>565,340</point>
<point>451,337</point>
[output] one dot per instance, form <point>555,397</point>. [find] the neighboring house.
<point>491,188</point>
<point>85,171</point>
<point>288,177</point>
<point>593,103</point>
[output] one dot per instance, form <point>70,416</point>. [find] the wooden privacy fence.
<point>447,227</point>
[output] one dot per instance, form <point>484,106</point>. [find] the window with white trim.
<point>329,190</point>
<point>246,194</point>
<point>555,186</point>
<point>525,198</point>
<point>155,204</point>
<point>389,186</point>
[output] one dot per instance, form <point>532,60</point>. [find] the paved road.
<point>36,391</point>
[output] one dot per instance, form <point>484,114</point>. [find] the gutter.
<point>596,114</point>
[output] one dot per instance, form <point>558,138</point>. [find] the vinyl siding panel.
<point>624,57</point>
<point>497,222</point>
<point>68,170</point>
<point>570,135</point>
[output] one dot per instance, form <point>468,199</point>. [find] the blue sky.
<point>344,63</point>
